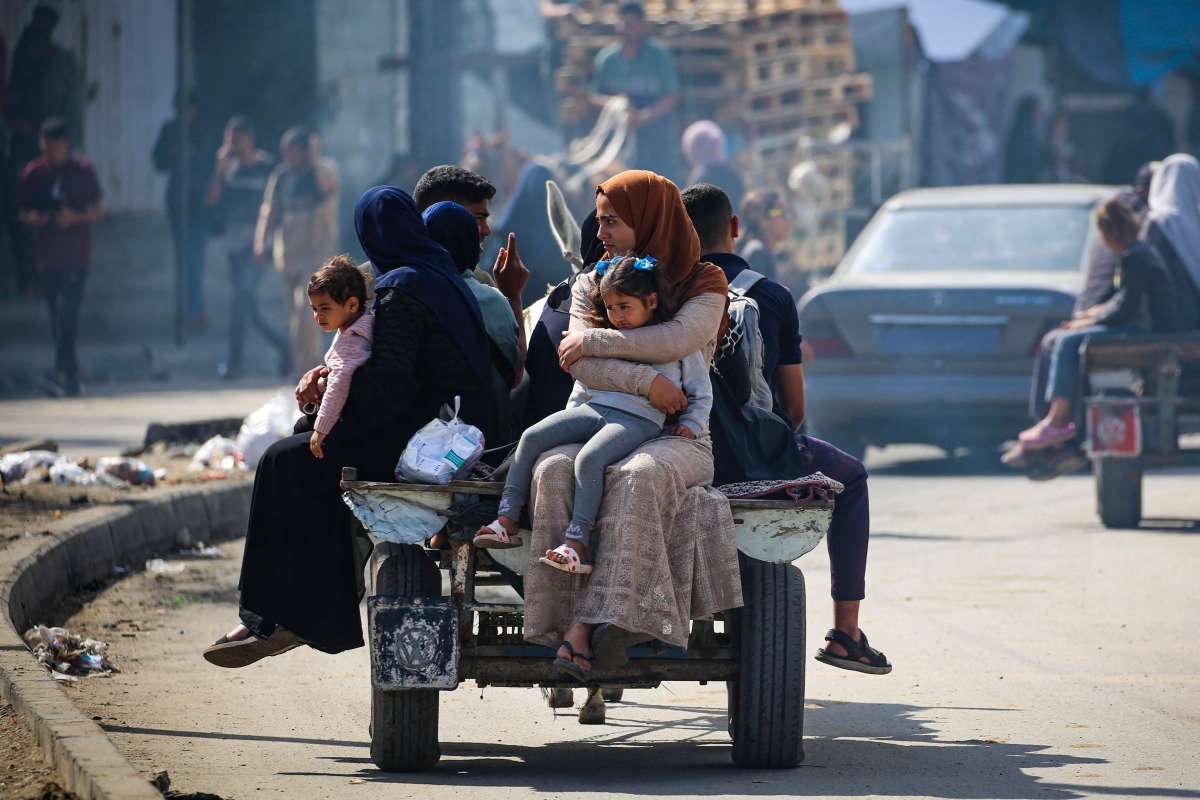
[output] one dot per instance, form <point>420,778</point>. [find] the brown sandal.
<point>243,652</point>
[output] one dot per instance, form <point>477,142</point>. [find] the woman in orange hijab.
<point>661,521</point>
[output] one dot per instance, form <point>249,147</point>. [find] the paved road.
<point>1037,656</point>
<point>111,419</point>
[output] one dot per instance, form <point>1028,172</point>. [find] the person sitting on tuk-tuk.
<point>1144,302</point>
<point>711,212</point>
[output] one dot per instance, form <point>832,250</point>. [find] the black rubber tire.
<point>766,702</point>
<point>1118,491</point>
<point>404,724</point>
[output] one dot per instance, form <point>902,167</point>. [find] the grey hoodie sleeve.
<point>698,389</point>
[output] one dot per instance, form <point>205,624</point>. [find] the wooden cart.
<point>428,635</point>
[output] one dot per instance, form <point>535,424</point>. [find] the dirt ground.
<point>27,510</point>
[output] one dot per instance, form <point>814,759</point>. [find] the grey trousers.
<point>608,436</point>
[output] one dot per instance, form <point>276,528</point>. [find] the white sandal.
<point>573,563</point>
<point>498,539</point>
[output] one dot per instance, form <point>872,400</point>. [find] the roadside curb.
<point>35,573</point>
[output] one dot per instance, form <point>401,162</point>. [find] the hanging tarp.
<point>1126,44</point>
<point>965,104</point>
<point>1159,36</point>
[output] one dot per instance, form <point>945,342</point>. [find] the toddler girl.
<point>629,293</point>
<point>338,296</point>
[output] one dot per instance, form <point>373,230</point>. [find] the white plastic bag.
<point>441,451</point>
<point>265,426</point>
<point>217,453</point>
<point>14,466</point>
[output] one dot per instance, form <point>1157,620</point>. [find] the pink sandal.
<point>1034,439</point>
<point>573,563</point>
<point>498,539</point>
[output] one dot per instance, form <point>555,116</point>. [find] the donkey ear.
<point>566,231</point>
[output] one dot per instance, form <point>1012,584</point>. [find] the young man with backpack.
<point>774,313</point>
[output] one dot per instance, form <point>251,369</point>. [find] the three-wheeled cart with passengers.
<point>427,635</point>
<point>1142,394</point>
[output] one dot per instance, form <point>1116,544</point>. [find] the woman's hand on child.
<point>314,444</point>
<point>666,396</point>
<point>570,349</point>
<point>309,389</point>
<point>682,430</point>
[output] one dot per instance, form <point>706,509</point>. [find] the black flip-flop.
<point>569,666</point>
<point>855,650</point>
<point>243,652</point>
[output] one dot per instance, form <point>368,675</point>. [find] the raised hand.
<point>511,275</point>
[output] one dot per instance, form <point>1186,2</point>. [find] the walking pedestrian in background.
<point>59,199</point>
<point>184,156</point>
<point>44,82</point>
<point>235,192</point>
<point>298,222</point>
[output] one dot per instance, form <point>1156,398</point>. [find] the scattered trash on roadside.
<point>265,426</point>
<point>200,551</point>
<point>130,470</point>
<point>52,791</point>
<point>66,655</point>
<point>162,782</point>
<point>65,472</point>
<point>157,566</point>
<point>218,453</point>
<point>36,466</point>
<point>15,467</point>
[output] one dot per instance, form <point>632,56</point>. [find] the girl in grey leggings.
<point>611,425</point>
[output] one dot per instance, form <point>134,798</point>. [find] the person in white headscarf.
<point>1173,228</point>
<point>707,152</point>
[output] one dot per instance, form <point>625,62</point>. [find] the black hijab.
<point>394,238</point>
<point>453,227</point>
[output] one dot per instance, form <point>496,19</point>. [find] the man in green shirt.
<point>644,72</point>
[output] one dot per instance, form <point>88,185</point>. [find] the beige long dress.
<point>663,547</point>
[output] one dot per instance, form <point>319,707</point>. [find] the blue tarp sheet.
<point>1159,35</point>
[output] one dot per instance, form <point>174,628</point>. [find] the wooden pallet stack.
<point>769,71</point>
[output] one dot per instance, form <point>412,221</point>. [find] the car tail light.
<point>822,337</point>
<point>820,333</point>
<point>828,346</point>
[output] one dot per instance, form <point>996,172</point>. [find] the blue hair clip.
<point>644,264</point>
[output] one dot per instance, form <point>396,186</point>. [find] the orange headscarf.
<point>651,205</point>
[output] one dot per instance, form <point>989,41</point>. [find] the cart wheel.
<point>1118,491</point>
<point>404,723</point>
<point>766,701</point>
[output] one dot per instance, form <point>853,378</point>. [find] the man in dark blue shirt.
<point>712,215</point>
<point>849,529</point>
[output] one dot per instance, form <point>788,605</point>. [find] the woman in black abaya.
<point>300,576</point>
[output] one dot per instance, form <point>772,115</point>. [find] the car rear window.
<point>1045,238</point>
